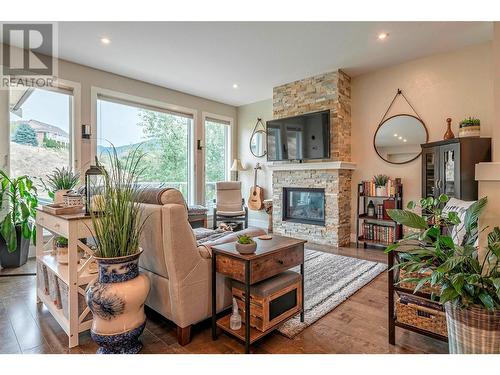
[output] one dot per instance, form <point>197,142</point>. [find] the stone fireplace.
<point>312,200</point>
<point>328,219</point>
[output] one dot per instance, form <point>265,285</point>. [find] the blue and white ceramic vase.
<point>116,300</point>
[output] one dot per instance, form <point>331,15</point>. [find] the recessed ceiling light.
<point>395,134</point>
<point>105,40</point>
<point>404,140</point>
<point>400,137</point>
<point>382,36</point>
<point>235,85</point>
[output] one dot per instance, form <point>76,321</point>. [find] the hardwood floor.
<point>359,325</point>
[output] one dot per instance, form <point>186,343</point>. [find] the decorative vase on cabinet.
<point>116,300</point>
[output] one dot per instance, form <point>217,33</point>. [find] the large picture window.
<point>217,155</point>
<point>40,133</point>
<point>165,137</point>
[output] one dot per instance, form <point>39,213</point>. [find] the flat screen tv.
<point>303,137</point>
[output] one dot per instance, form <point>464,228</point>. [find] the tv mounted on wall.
<point>303,137</point>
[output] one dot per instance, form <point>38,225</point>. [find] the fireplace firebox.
<point>304,205</point>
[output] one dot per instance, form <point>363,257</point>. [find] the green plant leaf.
<point>487,301</point>
<point>447,242</point>
<point>408,218</point>
<point>25,230</point>
<point>457,281</point>
<point>391,247</point>
<point>411,205</point>
<point>443,198</point>
<point>448,294</point>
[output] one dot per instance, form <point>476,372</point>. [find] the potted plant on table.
<point>246,245</point>
<point>470,127</point>
<point>117,298</point>
<point>18,204</point>
<point>62,250</point>
<point>469,286</point>
<point>60,182</point>
<point>380,181</point>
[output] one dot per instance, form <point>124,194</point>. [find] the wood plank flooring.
<point>359,325</point>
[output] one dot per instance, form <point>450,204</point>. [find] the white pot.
<point>59,196</point>
<point>62,254</point>
<point>246,248</point>
<point>116,300</point>
<point>380,191</point>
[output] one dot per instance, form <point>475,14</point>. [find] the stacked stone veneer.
<point>325,91</point>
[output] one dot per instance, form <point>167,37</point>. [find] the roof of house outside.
<point>42,127</point>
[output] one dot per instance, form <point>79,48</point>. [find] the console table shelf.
<point>75,275</point>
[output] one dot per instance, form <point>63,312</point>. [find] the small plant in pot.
<point>117,298</point>
<point>18,202</point>
<point>246,245</point>
<point>380,181</point>
<point>62,250</point>
<point>469,285</point>
<point>470,127</point>
<point>60,182</point>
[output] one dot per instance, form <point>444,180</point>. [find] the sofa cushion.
<point>161,196</point>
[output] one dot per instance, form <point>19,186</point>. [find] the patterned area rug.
<point>329,280</point>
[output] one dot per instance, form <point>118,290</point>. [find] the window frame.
<point>97,92</point>
<point>229,122</point>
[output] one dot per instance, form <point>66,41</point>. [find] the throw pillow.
<point>460,207</point>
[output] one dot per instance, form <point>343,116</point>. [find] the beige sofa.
<point>179,270</point>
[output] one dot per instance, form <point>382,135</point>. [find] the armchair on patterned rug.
<point>230,205</point>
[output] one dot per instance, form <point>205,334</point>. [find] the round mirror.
<point>398,139</point>
<point>258,143</point>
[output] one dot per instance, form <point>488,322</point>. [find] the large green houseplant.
<point>470,286</point>
<point>117,298</point>
<point>18,202</point>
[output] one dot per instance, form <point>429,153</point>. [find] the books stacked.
<point>378,233</point>
<point>391,188</point>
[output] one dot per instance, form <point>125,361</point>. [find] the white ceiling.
<point>206,59</point>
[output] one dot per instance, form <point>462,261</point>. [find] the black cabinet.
<point>448,167</point>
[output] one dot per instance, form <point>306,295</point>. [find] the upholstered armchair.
<point>230,205</point>
<point>179,269</point>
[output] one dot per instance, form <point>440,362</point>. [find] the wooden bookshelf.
<point>362,217</point>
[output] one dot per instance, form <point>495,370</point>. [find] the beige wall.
<point>455,85</point>
<point>247,117</point>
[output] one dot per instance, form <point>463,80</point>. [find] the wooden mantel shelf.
<point>488,171</point>
<point>311,165</point>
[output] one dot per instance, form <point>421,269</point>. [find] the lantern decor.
<point>94,179</point>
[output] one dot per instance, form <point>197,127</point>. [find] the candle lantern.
<point>94,188</point>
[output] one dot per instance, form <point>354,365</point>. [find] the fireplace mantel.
<point>311,166</point>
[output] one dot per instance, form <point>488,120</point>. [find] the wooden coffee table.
<point>271,258</point>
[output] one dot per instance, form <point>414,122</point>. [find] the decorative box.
<point>271,301</point>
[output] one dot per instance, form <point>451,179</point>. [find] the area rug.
<point>329,280</point>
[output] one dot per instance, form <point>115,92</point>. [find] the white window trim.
<point>95,92</point>
<point>229,153</point>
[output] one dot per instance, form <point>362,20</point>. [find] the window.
<point>40,133</point>
<point>166,139</point>
<point>217,155</point>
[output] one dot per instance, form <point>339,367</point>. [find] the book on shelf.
<point>392,187</point>
<point>378,233</point>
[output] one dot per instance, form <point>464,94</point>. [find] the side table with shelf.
<point>271,258</point>
<point>74,227</point>
<point>393,322</point>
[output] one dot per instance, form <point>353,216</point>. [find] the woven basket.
<point>473,330</point>
<point>423,314</point>
<point>427,288</point>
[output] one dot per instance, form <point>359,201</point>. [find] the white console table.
<point>74,227</point>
